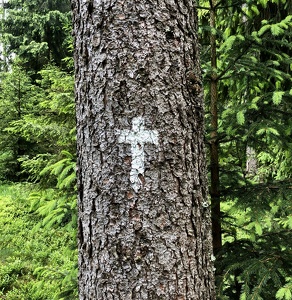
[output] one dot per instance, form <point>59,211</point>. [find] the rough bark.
<point>144,221</point>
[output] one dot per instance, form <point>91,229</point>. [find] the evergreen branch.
<point>236,4</point>
<point>202,7</point>
<point>287,184</point>
<point>219,77</point>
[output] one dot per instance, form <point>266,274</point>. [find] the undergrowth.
<point>37,262</point>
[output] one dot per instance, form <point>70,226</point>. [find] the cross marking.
<point>137,137</point>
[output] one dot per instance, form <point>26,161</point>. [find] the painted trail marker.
<point>137,137</point>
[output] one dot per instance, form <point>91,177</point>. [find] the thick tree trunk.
<point>144,221</point>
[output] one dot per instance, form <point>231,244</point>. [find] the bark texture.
<point>144,228</point>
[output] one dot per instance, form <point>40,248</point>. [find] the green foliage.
<point>256,258</point>
<point>38,121</point>
<point>37,144</point>
<point>37,32</point>
<point>35,264</point>
<point>64,170</point>
<point>285,293</point>
<point>254,47</point>
<point>18,96</point>
<point>55,208</point>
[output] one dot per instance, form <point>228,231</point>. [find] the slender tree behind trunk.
<point>214,143</point>
<point>144,221</point>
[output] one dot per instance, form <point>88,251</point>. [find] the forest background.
<point>246,65</point>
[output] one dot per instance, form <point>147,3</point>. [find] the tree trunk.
<point>214,143</point>
<point>144,220</point>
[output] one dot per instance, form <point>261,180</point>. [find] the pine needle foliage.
<point>38,134</point>
<point>253,75</point>
<point>35,31</point>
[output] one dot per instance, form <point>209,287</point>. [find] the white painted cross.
<point>137,137</point>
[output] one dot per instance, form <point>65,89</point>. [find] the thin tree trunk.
<point>144,221</point>
<point>214,144</point>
